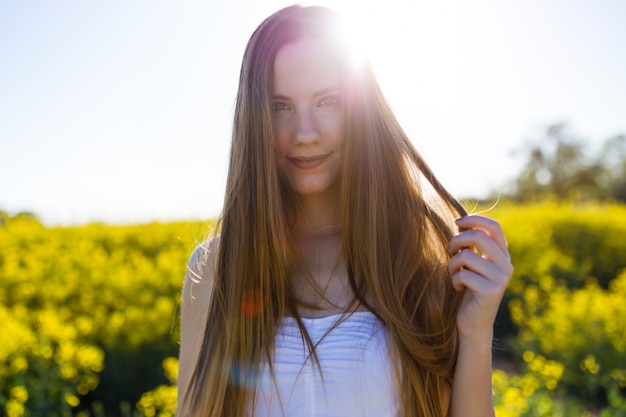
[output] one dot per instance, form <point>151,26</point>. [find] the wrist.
<point>477,339</point>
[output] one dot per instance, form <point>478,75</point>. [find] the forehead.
<point>305,67</point>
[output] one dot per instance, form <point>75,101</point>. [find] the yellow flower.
<point>14,408</point>
<point>72,400</point>
<point>19,364</point>
<point>19,393</point>
<point>590,364</point>
<point>170,367</point>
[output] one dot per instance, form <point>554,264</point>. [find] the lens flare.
<point>352,42</point>
<point>253,303</point>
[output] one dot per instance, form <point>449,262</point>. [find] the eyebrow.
<point>317,94</point>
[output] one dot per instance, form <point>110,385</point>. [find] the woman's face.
<point>309,116</point>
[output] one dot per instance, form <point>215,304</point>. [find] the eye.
<point>329,101</point>
<point>279,106</point>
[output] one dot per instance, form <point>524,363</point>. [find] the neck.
<point>318,212</point>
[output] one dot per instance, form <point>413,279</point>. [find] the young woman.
<point>337,286</point>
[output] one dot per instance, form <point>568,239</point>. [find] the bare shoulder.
<point>199,276</point>
<point>197,288</point>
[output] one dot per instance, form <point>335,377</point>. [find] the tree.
<point>613,157</point>
<point>559,165</point>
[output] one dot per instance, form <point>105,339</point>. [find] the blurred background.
<point>114,137</point>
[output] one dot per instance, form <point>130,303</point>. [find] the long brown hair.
<point>394,239</point>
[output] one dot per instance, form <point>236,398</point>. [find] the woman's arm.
<point>471,390</point>
<point>481,266</point>
<point>193,314</point>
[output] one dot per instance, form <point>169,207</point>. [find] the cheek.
<point>281,138</point>
<point>338,132</point>
<point>333,126</point>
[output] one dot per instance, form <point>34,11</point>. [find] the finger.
<point>467,259</point>
<point>477,284</point>
<point>490,226</point>
<point>480,241</point>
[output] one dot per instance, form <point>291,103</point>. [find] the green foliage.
<point>559,165</point>
<point>161,401</point>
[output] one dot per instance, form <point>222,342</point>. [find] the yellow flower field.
<point>90,314</point>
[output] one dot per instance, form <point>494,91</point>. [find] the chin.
<point>311,188</point>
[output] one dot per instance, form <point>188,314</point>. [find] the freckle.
<point>252,303</point>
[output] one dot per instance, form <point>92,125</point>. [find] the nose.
<point>306,131</point>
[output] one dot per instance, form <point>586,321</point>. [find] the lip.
<point>308,162</point>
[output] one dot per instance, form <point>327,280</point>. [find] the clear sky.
<point>120,111</point>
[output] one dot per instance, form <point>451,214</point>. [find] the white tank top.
<point>357,376</point>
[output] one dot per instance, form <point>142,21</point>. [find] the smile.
<point>308,162</point>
